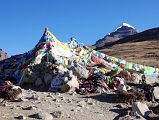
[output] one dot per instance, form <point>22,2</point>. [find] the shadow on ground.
<point>121,112</point>
<point>39,89</point>
<point>109,98</point>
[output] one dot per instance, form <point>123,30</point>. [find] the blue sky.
<point>22,22</point>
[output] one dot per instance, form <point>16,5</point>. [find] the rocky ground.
<point>65,106</point>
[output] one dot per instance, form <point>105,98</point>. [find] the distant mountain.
<point>147,35</point>
<point>121,32</point>
<point>3,55</point>
<point>141,48</point>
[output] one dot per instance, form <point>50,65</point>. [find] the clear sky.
<point>22,22</point>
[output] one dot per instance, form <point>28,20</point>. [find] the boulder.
<point>42,115</point>
<point>65,88</point>
<point>140,109</point>
<point>38,82</point>
<point>56,82</point>
<point>64,81</point>
<point>79,71</point>
<point>73,83</point>
<point>56,114</point>
<point>14,93</point>
<point>156,93</point>
<point>121,86</point>
<point>47,78</point>
<point>150,80</point>
<point>135,78</point>
<point>21,117</point>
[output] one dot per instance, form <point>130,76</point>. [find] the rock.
<point>32,78</point>
<point>58,94</point>
<point>150,80</point>
<point>153,116</point>
<point>135,78</point>
<point>73,83</point>
<point>156,93</point>
<point>68,116</point>
<point>74,110</point>
<point>49,95</point>
<point>90,102</point>
<point>16,107</point>
<point>69,101</point>
<point>139,118</point>
<point>29,108</point>
<point>82,102</point>
<point>81,106</point>
<point>72,93</point>
<point>100,90</point>
<point>64,82</point>
<point>151,104</point>
<point>62,98</point>
<point>21,117</point>
<point>20,100</point>
<point>3,55</point>
<point>65,88</point>
<point>119,106</point>
<point>56,100</point>
<point>13,93</point>
<point>127,117</point>
<point>4,104</point>
<point>140,109</point>
<point>47,78</point>
<point>87,107</point>
<point>38,82</point>
<point>122,86</point>
<point>155,108</point>
<point>33,97</point>
<point>60,106</point>
<point>79,71</point>
<point>42,115</point>
<point>99,113</point>
<point>56,114</point>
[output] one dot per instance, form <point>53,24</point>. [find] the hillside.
<point>141,48</point>
<point>144,52</point>
<point>147,35</point>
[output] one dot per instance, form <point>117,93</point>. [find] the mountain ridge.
<point>150,34</point>
<point>122,31</point>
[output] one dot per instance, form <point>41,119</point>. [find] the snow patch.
<point>125,24</point>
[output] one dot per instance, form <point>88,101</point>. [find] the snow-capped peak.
<point>125,24</point>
